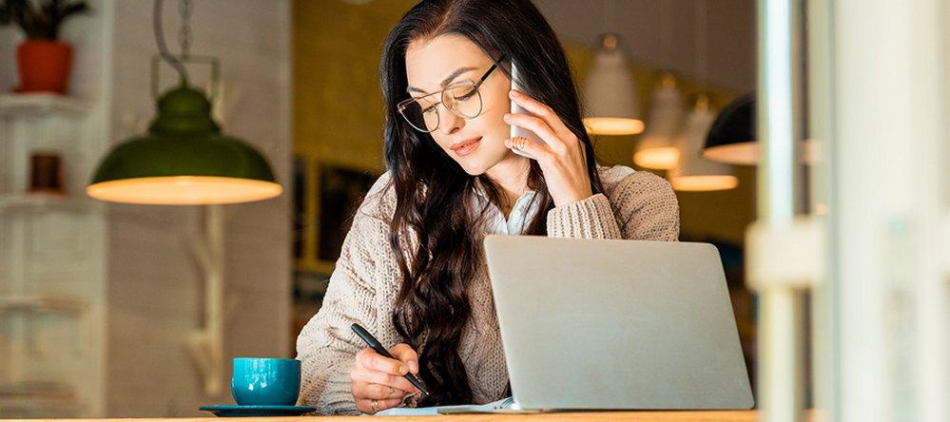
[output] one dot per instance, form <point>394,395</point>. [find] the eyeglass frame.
<point>402,104</point>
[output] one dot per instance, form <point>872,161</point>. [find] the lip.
<point>466,147</point>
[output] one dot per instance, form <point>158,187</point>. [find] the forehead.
<point>428,62</point>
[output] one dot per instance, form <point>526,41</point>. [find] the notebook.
<point>500,406</point>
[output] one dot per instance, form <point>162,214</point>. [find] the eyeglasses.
<point>461,98</point>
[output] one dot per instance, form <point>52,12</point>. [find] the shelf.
<point>30,399</point>
<point>47,390</point>
<point>27,407</point>
<point>12,202</point>
<point>42,303</point>
<point>40,103</point>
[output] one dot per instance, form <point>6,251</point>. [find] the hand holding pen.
<point>380,378</point>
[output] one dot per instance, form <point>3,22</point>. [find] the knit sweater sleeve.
<point>642,206</point>
<point>327,346</point>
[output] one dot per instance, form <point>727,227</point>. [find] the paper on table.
<point>495,406</point>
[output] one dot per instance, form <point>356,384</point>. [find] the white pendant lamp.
<point>693,172</point>
<point>655,149</point>
<point>610,93</point>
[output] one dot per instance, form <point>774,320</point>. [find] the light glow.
<point>663,158</point>
<point>742,153</point>
<point>704,183</point>
<point>184,190</point>
<point>613,126</point>
<point>747,153</point>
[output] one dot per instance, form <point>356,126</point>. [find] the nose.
<point>450,122</point>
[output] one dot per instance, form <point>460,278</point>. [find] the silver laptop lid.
<point>616,324</point>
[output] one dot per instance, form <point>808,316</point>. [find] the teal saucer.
<point>231,410</point>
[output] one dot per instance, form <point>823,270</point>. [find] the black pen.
<point>374,344</point>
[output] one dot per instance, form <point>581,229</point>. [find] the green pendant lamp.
<point>184,158</point>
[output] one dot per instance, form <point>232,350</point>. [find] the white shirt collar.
<point>523,211</point>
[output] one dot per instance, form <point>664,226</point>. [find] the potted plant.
<point>42,60</point>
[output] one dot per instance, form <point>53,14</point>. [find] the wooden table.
<point>669,416</point>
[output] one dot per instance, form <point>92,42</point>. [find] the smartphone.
<point>515,108</point>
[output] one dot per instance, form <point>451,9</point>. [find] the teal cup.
<point>265,381</point>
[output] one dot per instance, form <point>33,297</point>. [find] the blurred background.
<point>805,139</point>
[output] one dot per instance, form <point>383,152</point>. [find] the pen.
<point>374,344</point>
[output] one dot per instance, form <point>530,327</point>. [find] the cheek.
<point>495,102</point>
<point>492,118</point>
<point>441,142</point>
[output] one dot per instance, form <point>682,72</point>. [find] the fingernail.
<point>514,93</point>
<point>413,366</point>
<point>403,369</point>
<point>507,143</point>
<point>507,117</point>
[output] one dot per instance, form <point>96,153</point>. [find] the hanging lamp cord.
<point>160,42</point>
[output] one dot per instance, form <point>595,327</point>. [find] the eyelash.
<point>464,97</point>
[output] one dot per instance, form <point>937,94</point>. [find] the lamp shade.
<point>655,149</point>
<point>732,137</point>
<point>693,172</point>
<point>610,93</point>
<point>184,159</point>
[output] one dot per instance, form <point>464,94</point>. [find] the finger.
<point>387,404</point>
<point>366,406</point>
<point>538,126</point>
<point>382,392</point>
<point>362,390</point>
<point>543,111</point>
<point>540,153</point>
<point>375,377</point>
<point>369,359</point>
<point>404,353</point>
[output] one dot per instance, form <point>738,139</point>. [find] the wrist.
<point>567,200</point>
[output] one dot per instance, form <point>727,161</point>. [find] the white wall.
<point>58,253</point>
<point>888,106</point>
<point>153,289</point>
<point>9,36</point>
<point>729,41</point>
<point>155,286</point>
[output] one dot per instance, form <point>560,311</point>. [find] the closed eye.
<point>466,96</point>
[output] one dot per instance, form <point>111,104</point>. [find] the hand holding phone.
<point>517,131</point>
<point>565,172</point>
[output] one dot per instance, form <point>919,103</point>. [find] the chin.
<point>474,169</point>
<point>478,165</point>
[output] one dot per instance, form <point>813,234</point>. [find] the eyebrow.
<point>445,81</point>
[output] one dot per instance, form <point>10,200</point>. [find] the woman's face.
<point>477,144</point>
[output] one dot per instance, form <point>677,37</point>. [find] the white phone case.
<point>518,130</point>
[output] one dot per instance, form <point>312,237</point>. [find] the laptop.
<point>616,324</point>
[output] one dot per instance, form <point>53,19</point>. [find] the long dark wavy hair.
<point>432,191</point>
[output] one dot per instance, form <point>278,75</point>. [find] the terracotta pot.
<point>44,66</point>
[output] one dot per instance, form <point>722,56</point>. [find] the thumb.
<point>404,353</point>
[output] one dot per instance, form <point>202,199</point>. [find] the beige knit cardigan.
<point>635,205</point>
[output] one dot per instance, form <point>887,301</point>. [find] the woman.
<point>411,270</point>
